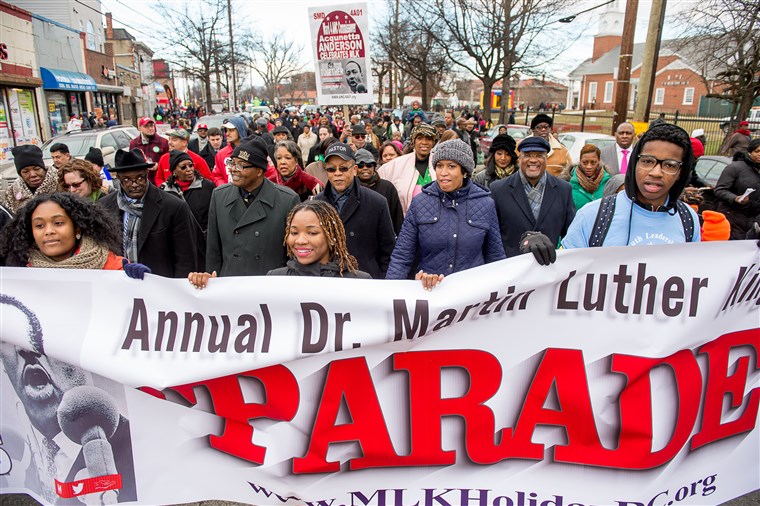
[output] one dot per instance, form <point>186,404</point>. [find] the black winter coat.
<point>197,197</point>
<point>328,270</point>
<point>369,230</point>
<point>735,179</point>
<point>516,217</point>
<point>167,240</point>
<point>387,190</point>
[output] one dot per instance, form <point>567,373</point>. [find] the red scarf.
<point>300,182</point>
<point>184,185</point>
<point>744,131</point>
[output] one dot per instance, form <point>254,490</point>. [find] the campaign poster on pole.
<point>340,38</point>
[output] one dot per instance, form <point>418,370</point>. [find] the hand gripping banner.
<point>615,376</point>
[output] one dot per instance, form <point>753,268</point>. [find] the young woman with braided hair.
<point>316,243</point>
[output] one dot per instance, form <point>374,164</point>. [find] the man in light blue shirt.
<point>648,210</point>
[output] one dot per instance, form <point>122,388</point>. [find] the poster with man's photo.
<point>340,37</point>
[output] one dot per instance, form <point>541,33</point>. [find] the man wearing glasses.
<point>358,139</point>
<point>364,213</point>
<point>648,210</point>
<point>558,158</point>
<point>158,229</point>
<point>246,219</point>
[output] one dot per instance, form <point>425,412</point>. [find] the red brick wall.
<point>95,62</point>
<point>604,44</point>
<point>674,83</point>
<point>588,100</point>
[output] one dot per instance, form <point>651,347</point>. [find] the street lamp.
<point>569,19</point>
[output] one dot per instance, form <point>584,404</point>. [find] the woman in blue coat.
<point>451,225</point>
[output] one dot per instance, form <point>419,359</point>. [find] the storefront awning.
<point>54,79</point>
<point>110,89</point>
<point>159,87</point>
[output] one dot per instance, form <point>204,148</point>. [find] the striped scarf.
<point>133,215</point>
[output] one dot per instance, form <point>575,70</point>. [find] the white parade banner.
<point>340,43</point>
<point>615,376</point>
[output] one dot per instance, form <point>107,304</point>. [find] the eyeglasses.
<point>361,165</point>
<point>669,167</point>
<point>73,186</point>
<point>133,180</point>
<point>333,169</point>
<point>537,155</point>
<point>234,166</point>
<point>359,136</point>
<point>542,126</point>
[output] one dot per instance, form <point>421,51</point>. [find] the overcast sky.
<point>290,17</point>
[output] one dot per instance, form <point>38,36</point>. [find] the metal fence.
<point>601,122</point>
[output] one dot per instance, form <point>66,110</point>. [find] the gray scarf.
<point>133,210</point>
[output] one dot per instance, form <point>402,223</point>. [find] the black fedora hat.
<point>130,160</point>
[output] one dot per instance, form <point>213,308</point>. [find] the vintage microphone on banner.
<point>88,415</point>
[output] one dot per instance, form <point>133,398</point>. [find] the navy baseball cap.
<point>340,149</point>
<point>531,144</point>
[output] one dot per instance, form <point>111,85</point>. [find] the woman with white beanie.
<point>451,225</point>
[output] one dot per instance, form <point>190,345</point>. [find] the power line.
<point>117,20</point>
<point>142,15</point>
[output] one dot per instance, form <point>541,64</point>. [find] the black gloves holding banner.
<point>540,245</point>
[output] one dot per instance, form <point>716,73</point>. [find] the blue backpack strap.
<point>687,220</point>
<point>603,221</point>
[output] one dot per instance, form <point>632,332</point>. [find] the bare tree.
<point>415,49</point>
<point>194,28</point>
<point>724,37</point>
<point>380,68</point>
<point>275,59</point>
<point>405,86</point>
<point>494,39</point>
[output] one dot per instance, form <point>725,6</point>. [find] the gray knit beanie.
<point>456,151</point>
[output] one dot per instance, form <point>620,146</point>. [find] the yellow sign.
<point>51,106</point>
<point>640,127</point>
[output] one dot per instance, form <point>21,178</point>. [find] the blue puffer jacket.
<point>444,233</point>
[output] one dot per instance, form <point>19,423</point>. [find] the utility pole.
<point>624,68</point>
<point>649,61</point>
<point>393,75</point>
<point>233,95</point>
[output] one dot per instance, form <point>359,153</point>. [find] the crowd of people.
<point>369,195</point>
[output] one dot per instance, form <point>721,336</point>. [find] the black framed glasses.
<point>334,169</point>
<point>359,136</point>
<point>370,165</point>
<point>235,166</point>
<point>133,180</point>
<point>649,162</point>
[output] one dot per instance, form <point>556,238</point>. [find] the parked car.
<point>309,109</point>
<point>79,142</point>
<point>213,120</point>
<point>709,168</point>
<point>517,132</point>
<point>574,142</point>
<point>258,110</point>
